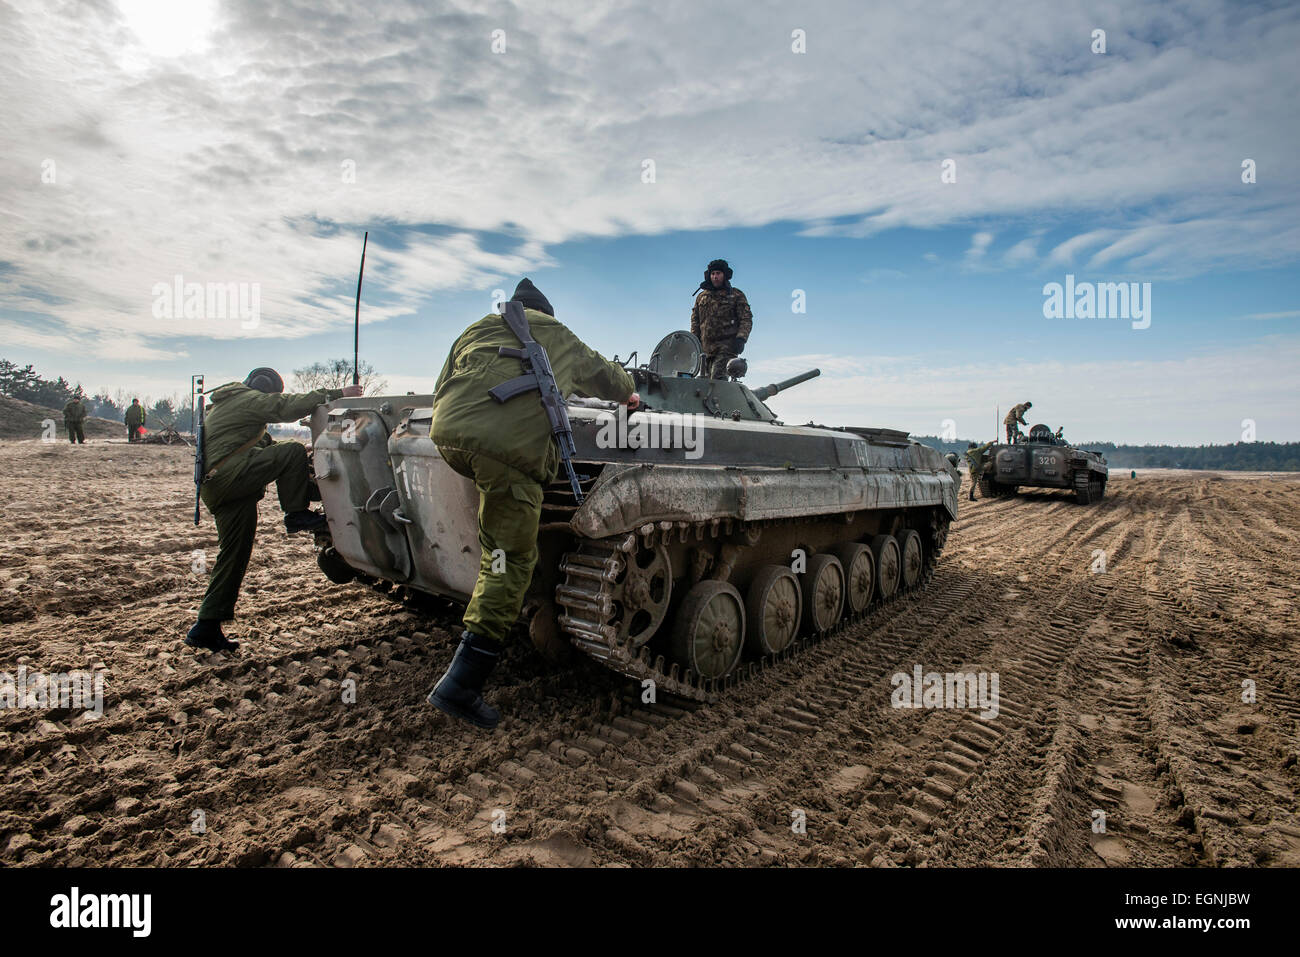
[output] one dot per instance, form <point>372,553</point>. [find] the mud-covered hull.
<point>398,512</point>
<point>716,512</point>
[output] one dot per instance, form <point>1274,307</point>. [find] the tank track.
<point>1088,487</point>
<point>587,600</point>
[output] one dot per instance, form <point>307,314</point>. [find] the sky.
<point>895,186</point>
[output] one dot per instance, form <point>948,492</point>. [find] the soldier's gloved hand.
<point>351,391</point>
<point>739,344</point>
<point>633,402</point>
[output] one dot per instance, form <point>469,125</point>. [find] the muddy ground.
<point>1121,694</point>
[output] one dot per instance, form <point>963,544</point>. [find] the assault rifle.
<point>199,466</point>
<point>538,376</point>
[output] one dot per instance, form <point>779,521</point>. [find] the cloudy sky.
<point>608,151</point>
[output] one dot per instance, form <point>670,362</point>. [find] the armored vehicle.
<point>1044,460</point>
<point>711,537</point>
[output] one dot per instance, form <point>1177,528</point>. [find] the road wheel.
<point>823,593</point>
<point>889,565</point>
<point>859,575</point>
<point>913,560</point>
<point>773,610</point>
<point>709,632</point>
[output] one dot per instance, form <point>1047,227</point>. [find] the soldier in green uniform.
<point>1016,415</point>
<point>721,319</point>
<point>508,450</point>
<point>74,416</point>
<point>240,461</point>
<point>134,419</point>
<point>977,456</point>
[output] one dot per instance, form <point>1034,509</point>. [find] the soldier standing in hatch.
<point>1016,415</point>
<point>74,417</point>
<point>977,456</point>
<point>721,319</point>
<point>508,450</point>
<point>134,419</point>
<point>241,460</point>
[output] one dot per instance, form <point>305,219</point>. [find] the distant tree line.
<point>27,384</point>
<point>1240,456</point>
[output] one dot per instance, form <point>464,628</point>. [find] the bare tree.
<point>335,374</point>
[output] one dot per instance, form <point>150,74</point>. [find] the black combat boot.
<point>305,521</point>
<point>206,633</point>
<point>459,691</point>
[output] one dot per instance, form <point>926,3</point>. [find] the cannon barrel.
<point>766,391</point>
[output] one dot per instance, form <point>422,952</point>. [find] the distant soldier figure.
<point>1060,435</point>
<point>241,460</point>
<point>977,456</point>
<point>720,318</point>
<point>74,415</point>
<point>508,450</point>
<point>134,420</point>
<point>1016,415</point>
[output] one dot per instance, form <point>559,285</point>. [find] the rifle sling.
<point>243,448</point>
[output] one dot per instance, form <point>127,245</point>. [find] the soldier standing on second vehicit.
<point>134,419</point>
<point>1017,414</point>
<point>508,450</point>
<point>977,456</point>
<point>721,319</point>
<point>241,460</point>
<point>74,416</point>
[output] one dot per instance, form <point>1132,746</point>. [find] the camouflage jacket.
<point>74,411</point>
<point>516,432</point>
<point>134,415</point>
<point>719,315</point>
<point>1017,414</point>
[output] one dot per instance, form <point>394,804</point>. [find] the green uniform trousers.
<point>75,433</point>
<point>232,499</point>
<point>509,510</point>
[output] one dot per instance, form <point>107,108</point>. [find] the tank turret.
<point>670,382</point>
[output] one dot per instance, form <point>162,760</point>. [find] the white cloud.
<point>1195,399</point>
<point>979,245</point>
<point>226,163</point>
<point>1289,314</point>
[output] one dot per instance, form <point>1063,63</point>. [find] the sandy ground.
<point>1121,695</point>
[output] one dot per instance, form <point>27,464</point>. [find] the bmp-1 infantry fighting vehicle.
<point>711,535</point>
<point>1044,460</point>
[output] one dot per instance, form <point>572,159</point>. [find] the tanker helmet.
<point>265,380</point>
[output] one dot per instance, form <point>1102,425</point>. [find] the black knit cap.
<point>531,297</point>
<point>264,379</point>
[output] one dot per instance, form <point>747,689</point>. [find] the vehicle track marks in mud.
<point>1119,692</point>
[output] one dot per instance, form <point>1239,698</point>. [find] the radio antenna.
<point>356,319</point>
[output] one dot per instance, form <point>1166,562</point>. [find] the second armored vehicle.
<point>1044,460</point>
